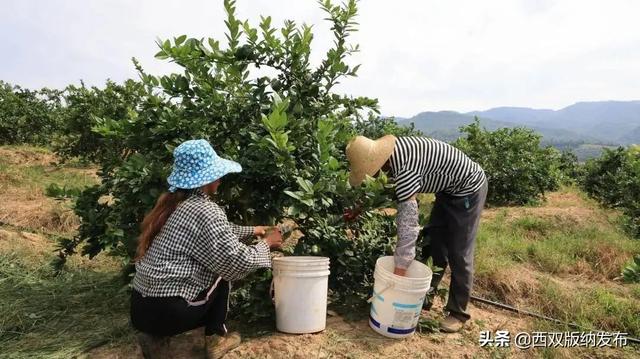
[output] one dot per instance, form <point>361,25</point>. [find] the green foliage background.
<point>28,116</point>
<point>519,170</point>
<point>614,180</point>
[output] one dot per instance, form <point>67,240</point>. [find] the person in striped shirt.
<point>425,165</point>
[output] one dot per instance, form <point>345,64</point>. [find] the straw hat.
<point>367,156</point>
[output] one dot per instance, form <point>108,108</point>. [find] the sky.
<point>426,55</point>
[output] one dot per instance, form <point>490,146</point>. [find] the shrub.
<point>28,117</point>
<point>570,170</point>
<point>377,126</point>
<point>518,169</point>
<point>631,273</point>
<point>57,192</point>
<point>614,180</point>
<point>84,108</point>
<point>288,130</point>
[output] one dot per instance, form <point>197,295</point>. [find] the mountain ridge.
<point>599,122</point>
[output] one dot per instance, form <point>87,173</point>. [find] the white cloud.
<point>416,55</point>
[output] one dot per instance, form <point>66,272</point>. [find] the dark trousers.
<point>452,231</point>
<point>168,316</point>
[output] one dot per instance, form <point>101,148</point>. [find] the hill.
<point>607,121</point>
<point>445,125</point>
<point>585,127</point>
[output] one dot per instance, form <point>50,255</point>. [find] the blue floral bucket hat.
<point>197,164</point>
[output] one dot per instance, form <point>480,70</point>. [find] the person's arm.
<point>408,230</point>
<point>243,232</point>
<point>221,251</point>
<point>248,232</point>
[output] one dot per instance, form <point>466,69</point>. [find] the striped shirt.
<point>425,165</point>
<point>195,247</point>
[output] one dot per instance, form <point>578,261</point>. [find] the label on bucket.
<point>405,315</point>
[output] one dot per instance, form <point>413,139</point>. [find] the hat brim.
<point>218,169</point>
<point>231,166</point>
<point>369,162</point>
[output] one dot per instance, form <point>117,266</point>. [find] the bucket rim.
<point>400,279</point>
<point>301,259</point>
<point>386,273</point>
<point>294,268</point>
<point>310,274</point>
<point>300,267</point>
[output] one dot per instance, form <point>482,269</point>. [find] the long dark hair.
<point>155,220</point>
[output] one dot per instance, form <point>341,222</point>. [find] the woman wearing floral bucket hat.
<point>188,253</point>
<point>425,165</point>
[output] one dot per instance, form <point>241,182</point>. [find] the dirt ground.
<point>23,203</point>
<point>344,339</point>
<point>566,206</point>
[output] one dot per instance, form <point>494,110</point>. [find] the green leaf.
<point>180,40</point>
<point>161,55</point>
<point>307,201</point>
<point>295,195</point>
<point>306,185</point>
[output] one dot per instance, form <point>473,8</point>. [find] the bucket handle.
<point>272,294</point>
<point>391,285</point>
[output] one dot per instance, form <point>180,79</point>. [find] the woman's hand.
<point>400,272</point>
<point>273,237</point>
<point>260,231</point>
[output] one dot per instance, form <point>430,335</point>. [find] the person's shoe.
<point>217,346</point>
<point>451,324</point>
<point>153,347</point>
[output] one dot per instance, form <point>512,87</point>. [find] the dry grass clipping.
<point>512,285</point>
<point>565,206</point>
<point>27,156</point>
<point>21,207</point>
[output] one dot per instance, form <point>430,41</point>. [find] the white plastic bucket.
<point>397,301</point>
<point>300,287</point>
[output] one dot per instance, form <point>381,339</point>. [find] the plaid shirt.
<point>195,246</point>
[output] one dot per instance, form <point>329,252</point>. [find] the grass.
<point>37,175</point>
<point>25,175</point>
<point>555,246</point>
<point>555,264</point>
<point>594,308</point>
<point>57,316</point>
<point>43,314</point>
